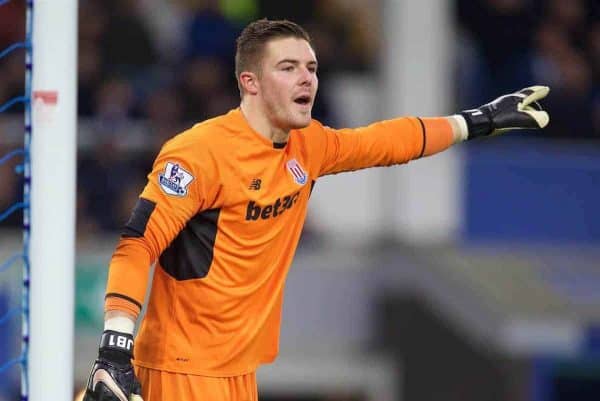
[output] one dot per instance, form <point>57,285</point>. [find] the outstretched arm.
<point>404,139</point>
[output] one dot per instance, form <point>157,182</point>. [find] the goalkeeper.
<point>221,217</point>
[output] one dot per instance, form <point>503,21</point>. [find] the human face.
<point>287,83</point>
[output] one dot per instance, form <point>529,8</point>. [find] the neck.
<point>258,120</point>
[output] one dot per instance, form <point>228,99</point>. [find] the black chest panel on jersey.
<point>190,254</point>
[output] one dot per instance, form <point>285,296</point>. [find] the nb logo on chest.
<point>255,212</point>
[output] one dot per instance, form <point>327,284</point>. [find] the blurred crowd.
<point>148,69</point>
<point>513,43</point>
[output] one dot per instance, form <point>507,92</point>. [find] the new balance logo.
<point>255,184</point>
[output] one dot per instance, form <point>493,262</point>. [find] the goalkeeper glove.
<point>112,377</point>
<point>517,110</point>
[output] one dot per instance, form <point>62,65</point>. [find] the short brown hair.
<point>253,39</point>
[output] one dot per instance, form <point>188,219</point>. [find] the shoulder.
<point>315,128</point>
<point>315,125</point>
<point>205,136</point>
<point>199,149</point>
<point>315,134</point>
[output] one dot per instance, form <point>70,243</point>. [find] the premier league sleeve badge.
<point>174,180</point>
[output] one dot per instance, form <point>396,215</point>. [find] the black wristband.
<point>116,341</point>
<point>478,123</point>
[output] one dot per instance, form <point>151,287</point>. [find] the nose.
<point>306,77</point>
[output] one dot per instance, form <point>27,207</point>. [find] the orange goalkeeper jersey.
<point>222,214</point>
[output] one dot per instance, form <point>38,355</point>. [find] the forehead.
<point>290,49</point>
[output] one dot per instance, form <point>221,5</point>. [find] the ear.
<point>249,82</point>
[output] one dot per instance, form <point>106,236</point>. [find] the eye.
<point>288,68</point>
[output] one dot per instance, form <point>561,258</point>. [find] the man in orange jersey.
<point>221,216</point>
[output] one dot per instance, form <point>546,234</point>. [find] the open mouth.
<point>302,100</point>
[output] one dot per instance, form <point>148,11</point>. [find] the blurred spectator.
<point>572,96</point>
<point>12,189</point>
<point>345,28</point>
<point>93,18</point>
<point>563,42</point>
<point>210,34</point>
<point>301,12</point>
<point>89,77</point>
<point>166,21</point>
<point>501,30</point>
<point>12,83</point>
<point>12,23</point>
<point>104,177</point>
<point>594,51</point>
<point>86,225</point>
<point>207,88</point>
<point>164,109</point>
<point>114,101</point>
<point>240,11</point>
<point>12,30</point>
<point>551,46</point>
<point>523,42</point>
<point>127,47</point>
<point>569,17</point>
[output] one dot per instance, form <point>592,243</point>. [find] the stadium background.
<point>473,275</point>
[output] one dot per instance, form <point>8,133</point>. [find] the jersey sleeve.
<point>182,183</point>
<point>383,143</point>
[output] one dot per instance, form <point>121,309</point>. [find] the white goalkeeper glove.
<point>518,110</point>
<point>112,377</point>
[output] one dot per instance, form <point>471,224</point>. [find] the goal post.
<point>52,199</point>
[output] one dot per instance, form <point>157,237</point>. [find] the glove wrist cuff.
<point>478,122</point>
<point>117,342</point>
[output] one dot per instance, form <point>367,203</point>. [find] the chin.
<point>301,122</point>
<point>303,125</point>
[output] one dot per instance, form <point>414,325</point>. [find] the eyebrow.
<point>296,62</point>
